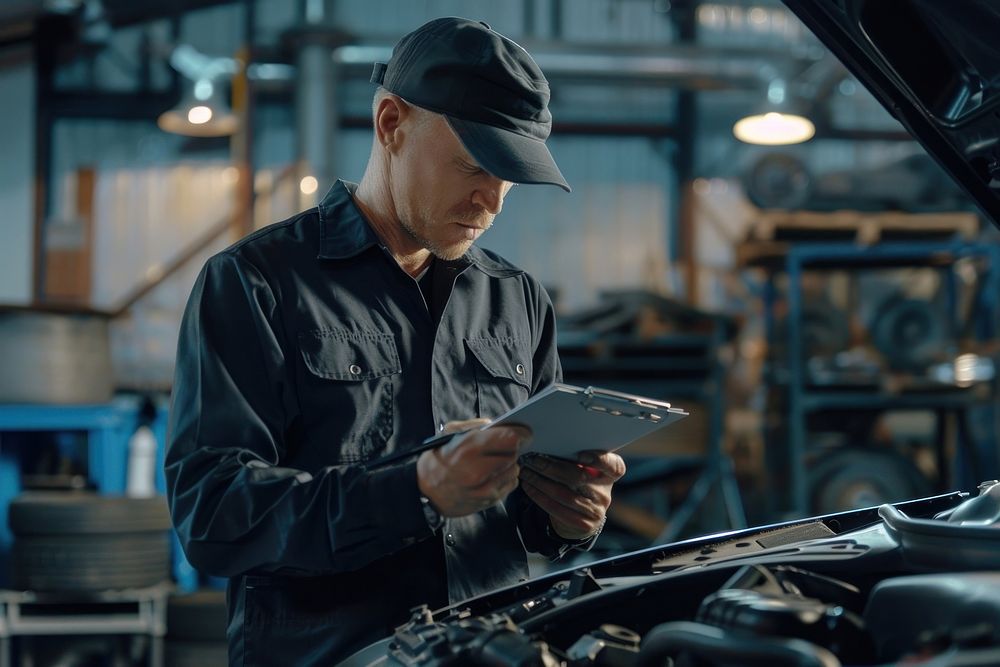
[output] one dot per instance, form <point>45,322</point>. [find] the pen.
<point>430,443</point>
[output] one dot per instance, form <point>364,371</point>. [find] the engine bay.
<point>915,583</point>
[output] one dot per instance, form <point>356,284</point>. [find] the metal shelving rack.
<point>27,614</point>
<point>799,257</point>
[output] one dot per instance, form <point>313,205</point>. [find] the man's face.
<point>443,199</point>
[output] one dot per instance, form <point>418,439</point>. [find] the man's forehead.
<point>441,130</point>
<point>458,149</point>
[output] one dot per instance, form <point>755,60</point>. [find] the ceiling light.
<point>308,185</point>
<point>199,115</point>
<point>774,129</point>
<point>778,124</point>
<point>203,112</point>
<point>199,118</point>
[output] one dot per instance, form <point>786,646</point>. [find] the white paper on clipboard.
<point>566,420</point>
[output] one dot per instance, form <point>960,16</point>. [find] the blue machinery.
<point>108,428</point>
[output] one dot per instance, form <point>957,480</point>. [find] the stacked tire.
<point>78,542</point>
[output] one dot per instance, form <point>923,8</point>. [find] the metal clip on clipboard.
<point>619,404</point>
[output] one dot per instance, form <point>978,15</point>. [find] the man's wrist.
<point>553,534</point>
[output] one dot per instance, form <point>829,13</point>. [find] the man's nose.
<point>490,194</point>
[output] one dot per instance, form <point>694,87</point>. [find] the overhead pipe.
<point>671,65</point>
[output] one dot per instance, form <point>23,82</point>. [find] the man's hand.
<point>576,496</point>
<point>473,471</point>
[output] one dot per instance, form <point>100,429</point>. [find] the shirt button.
<point>355,369</point>
<point>450,540</point>
<point>519,369</point>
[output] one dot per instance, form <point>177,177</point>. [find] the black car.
<point>912,583</point>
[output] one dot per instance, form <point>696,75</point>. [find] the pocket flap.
<point>349,355</point>
<point>502,358</point>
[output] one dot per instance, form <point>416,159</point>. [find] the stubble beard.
<point>446,253</point>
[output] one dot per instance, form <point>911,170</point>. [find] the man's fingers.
<point>521,433</point>
<point>556,510</point>
<point>475,443</point>
<point>474,471</point>
<point>609,464</point>
<point>569,473</point>
<point>575,494</point>
<point>564,472</point>
<point>464,425</point>
<point>497,476</point>
<point>503,441</point>
<point>509,486</point>
<point>583,499</point>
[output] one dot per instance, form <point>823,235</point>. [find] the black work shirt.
<point>305,350</point>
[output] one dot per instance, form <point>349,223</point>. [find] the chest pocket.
<point>348,390</point>
<point>503,374</point>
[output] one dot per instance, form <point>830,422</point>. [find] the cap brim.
<point>507,155</point>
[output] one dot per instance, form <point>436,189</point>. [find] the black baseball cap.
<point>487,87</point>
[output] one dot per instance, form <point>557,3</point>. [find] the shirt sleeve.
<point>236,509</point>
<point>532,521</point>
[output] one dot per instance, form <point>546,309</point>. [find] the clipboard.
<point>566,420</point>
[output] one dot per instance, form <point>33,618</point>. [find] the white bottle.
<point>140,482</point>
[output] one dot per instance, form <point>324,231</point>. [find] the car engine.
<point>915,583</point>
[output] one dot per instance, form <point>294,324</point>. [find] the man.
<point>357,329</point>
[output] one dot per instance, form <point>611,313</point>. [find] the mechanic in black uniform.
<point>355,330</point>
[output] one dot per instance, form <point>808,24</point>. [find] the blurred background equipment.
<point>907,307</point>
<point>851,477</point>
<point>644,343</point>
<point>912,183</point>
<point>910,334</point>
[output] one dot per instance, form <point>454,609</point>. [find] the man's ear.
<point>390,115</point>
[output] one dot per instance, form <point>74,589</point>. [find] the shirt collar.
<point>344,232</point>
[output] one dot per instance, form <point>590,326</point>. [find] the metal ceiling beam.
<point>19,19</point>
<point>129,12</point>
<point>111,105</point>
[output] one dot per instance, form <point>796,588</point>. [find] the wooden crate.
<point>860,227</point>
<point>772,233</point>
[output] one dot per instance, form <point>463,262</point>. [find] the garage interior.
<point>825,306</point>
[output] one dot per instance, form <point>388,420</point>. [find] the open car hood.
<point>935,66</point>
<point>877,586</point>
